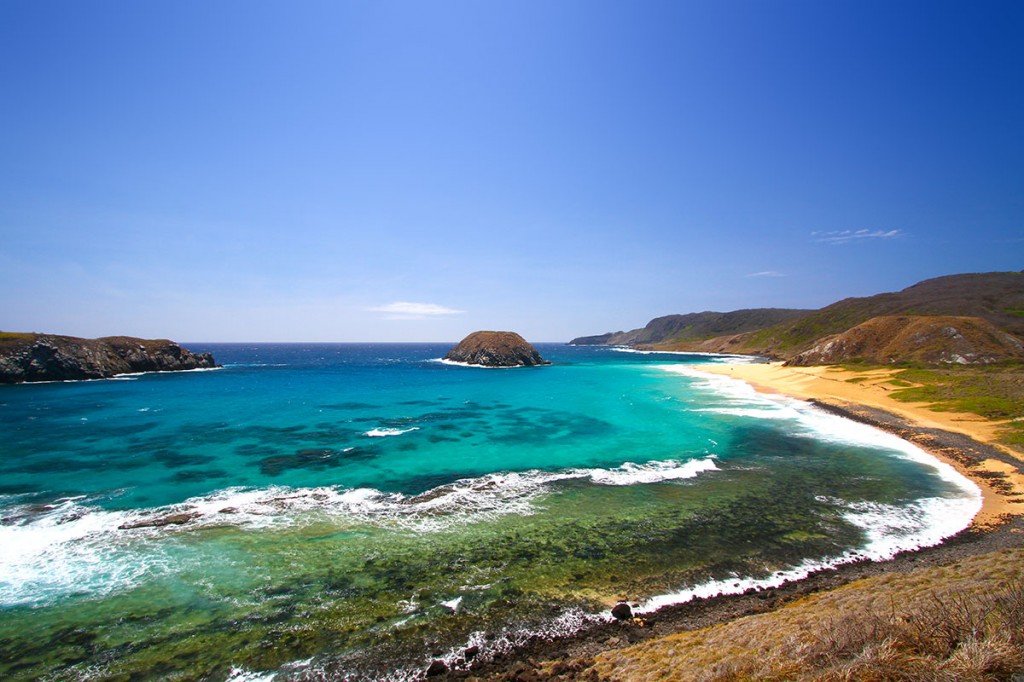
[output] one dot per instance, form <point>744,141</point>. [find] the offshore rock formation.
<point>47,357</point>
<point>496,349</point>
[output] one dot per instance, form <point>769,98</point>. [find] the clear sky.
<point>413,171</point>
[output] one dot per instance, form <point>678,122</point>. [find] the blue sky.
<point>413,171</point>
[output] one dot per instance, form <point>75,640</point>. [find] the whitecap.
<point>888,529</point>
<point>729,358</point>
<point>456,363</point>
<point>76,548</point>
<point>385,432</point>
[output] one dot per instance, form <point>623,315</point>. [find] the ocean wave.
<point>73,547</point>
<point>888,529</point>
<point>384,432</point>
<point>456,363</point>
<point>126,376</point>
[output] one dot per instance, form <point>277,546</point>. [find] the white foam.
<point>740,398</point>
<point>242,675</point>
<point>888,529</point>
<point>456,363</point>
<point>64,550</point>
<point>729,358</point>
<point>652,472</point>
<point>385,432</point>
<point>74,548</point>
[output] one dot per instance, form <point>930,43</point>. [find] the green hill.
<point>996,297</point>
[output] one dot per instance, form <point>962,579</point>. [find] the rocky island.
<point>49,357</point>
<point>495,349</point>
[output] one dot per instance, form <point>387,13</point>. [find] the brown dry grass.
<point>959,622</point>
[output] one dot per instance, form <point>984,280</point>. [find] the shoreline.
<point>995,469</point>
<point>962,441</point>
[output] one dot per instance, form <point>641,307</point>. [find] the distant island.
<point>495,349</point>
<point>31,357</point>
<point>958,319</point>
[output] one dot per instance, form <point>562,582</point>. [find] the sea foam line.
<point>72,547</point>
<point>456,363</point>
<point>888,529</point>
<point>728,358</point>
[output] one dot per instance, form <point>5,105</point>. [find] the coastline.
<point>995,469</point>
<point>963,441</point>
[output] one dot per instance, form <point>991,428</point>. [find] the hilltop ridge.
<point>996,299</point>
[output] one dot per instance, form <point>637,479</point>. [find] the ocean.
<point>354,511</point>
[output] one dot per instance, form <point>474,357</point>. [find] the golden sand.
<point>833,385</point>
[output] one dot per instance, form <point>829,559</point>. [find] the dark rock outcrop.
<point>621,611</point>
<point>48,357</point>
<point>496,349</point>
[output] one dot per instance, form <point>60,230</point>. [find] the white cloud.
<point>767,273</point>
<point>845,236</point>
<point>405,310</point>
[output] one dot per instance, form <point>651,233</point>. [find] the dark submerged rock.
<point>437,667</point>
<point>171,520</point>
<point>496,349</point>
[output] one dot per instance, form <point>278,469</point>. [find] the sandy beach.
<point>860,393</point>
<point>965,441</point>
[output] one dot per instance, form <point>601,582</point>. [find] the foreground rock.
<point>48,357</point>
<point>496,349</point>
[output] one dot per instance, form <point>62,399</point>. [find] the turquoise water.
<point>352,511</point>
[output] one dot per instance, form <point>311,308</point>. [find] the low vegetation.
<point>994,392</point>
<point>958,622</point>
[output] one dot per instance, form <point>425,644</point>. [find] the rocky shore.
<point>573,658</point>
<point>48,357</point>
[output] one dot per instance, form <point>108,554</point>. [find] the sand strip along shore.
<point>963,440</point>
<point>997,471</point>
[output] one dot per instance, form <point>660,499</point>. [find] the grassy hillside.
<point>926,339</point>
<point>994,392</point>
<point>695,327</point>
<point>958,622</point>
<point>997,297</point>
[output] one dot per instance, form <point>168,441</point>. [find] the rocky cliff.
<point>48,357</point>
<point>496,349</point>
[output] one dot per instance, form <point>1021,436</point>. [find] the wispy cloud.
<point>405,310</point>
<point>846,236</point>
<point>767,273</point>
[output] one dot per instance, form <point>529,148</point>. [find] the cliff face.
<point>47,357</point>
<point>496,349</point>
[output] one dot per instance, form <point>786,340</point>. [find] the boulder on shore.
<point>496,349</point>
